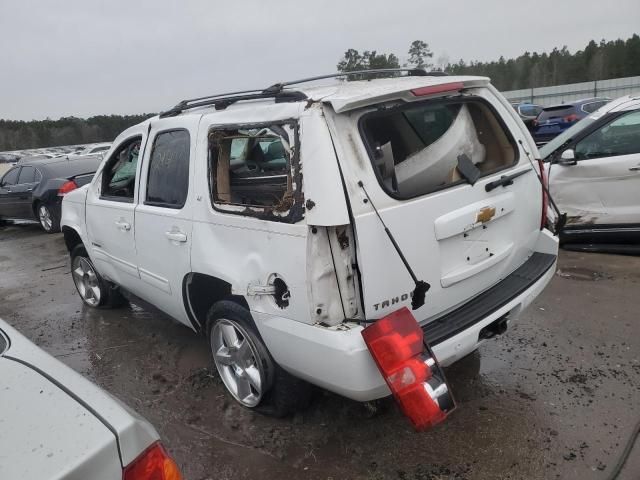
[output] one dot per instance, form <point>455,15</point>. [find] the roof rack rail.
<point>223,100</point>
<point>276,91</point>
<point>411,72</point>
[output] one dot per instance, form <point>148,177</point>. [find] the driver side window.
<point>619,137</point>
<point>119,174</point>
<point>11,177</point>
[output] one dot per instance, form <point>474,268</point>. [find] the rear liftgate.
<point>410,368</point>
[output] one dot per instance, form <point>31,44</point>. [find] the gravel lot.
<point>555,397</point>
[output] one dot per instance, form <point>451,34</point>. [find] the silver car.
<point>55,424</point>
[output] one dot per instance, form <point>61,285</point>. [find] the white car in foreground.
<point>55,424</point>
<point>282,222</point>
<point>594,176</point>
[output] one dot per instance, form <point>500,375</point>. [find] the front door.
<point>111,202</point>
<point>8,194</point>
<point>163,215</point>
<point>601,186</point>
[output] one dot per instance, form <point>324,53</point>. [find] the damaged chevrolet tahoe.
<point>354,235</point>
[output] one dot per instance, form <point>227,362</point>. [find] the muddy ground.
<point>555,397</point>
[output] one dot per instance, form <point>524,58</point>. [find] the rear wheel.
<point>245,366</point>
<point>95,291</point>
<point>48,221</point>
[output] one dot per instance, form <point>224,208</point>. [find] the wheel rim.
<point>238,362</point>
<point>45,217</point>
<point>86,280</point>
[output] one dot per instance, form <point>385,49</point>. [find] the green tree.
<point>419,54</point>
<point>369,60</point>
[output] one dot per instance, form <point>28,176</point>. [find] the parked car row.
<point>33,189</point>
<point>545,123</point>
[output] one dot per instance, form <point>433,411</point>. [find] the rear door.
<point>602,187</point>
<point>458,237</point>
<point>163,215</point>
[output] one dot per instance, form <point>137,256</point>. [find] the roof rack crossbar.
<point>222,100</point>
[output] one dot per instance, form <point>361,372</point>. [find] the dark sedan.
<point>34,188</point>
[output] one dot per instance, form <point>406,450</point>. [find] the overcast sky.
<point>88,57</point>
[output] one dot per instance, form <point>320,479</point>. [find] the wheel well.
<point>71,238</point>
<point>200,292</point>
<point>34,207</point>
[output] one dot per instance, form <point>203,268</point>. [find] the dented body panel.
<point>599,188</point>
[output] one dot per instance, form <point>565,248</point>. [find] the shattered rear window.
<point>254,170</point>
<point>416,149</point>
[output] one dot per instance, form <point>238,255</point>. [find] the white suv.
<point>281,222</point>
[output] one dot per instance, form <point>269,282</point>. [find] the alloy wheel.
<point>86,280</point>
<point>238,362</point>
<point>44,214</point>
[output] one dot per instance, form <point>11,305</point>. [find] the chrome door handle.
<point>124,226</point>
<point>176,236</point>
<point>635,169</point>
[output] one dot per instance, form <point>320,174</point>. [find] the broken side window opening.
<point>415,149</point>
<point>254,170</point>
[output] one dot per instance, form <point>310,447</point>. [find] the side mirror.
<point>567,158</point>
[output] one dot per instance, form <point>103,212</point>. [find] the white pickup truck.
<point>282,222</point>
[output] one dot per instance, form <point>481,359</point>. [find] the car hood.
<point>56,424</point>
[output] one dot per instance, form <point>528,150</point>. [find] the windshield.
<point>565,136</point>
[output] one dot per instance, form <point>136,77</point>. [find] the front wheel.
<point>95,291</point>
<point>48,221</point>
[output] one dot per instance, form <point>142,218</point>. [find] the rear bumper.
<point>338,359</point>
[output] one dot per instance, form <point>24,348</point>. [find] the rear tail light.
<point>545,197</point>
<point>571,118</point>
<point>153,464</point>
<point>410,369</point>
<point>434,89</point>
<point>67,187</point>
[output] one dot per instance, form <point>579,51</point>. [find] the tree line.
<point>597,61</point>
<point>18,135</point>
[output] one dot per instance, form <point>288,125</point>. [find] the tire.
<point>94,290</point>
<point>48,221</point>
<point>246,367</point>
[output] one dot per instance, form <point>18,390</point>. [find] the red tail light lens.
<point>154,464</point>
<point>545,197</point>
<point>571,118</point>
<point>410,369</point>
<point>435,89</point>
<point>67,187</point>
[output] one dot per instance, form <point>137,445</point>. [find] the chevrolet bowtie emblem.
<point>485,214</point>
